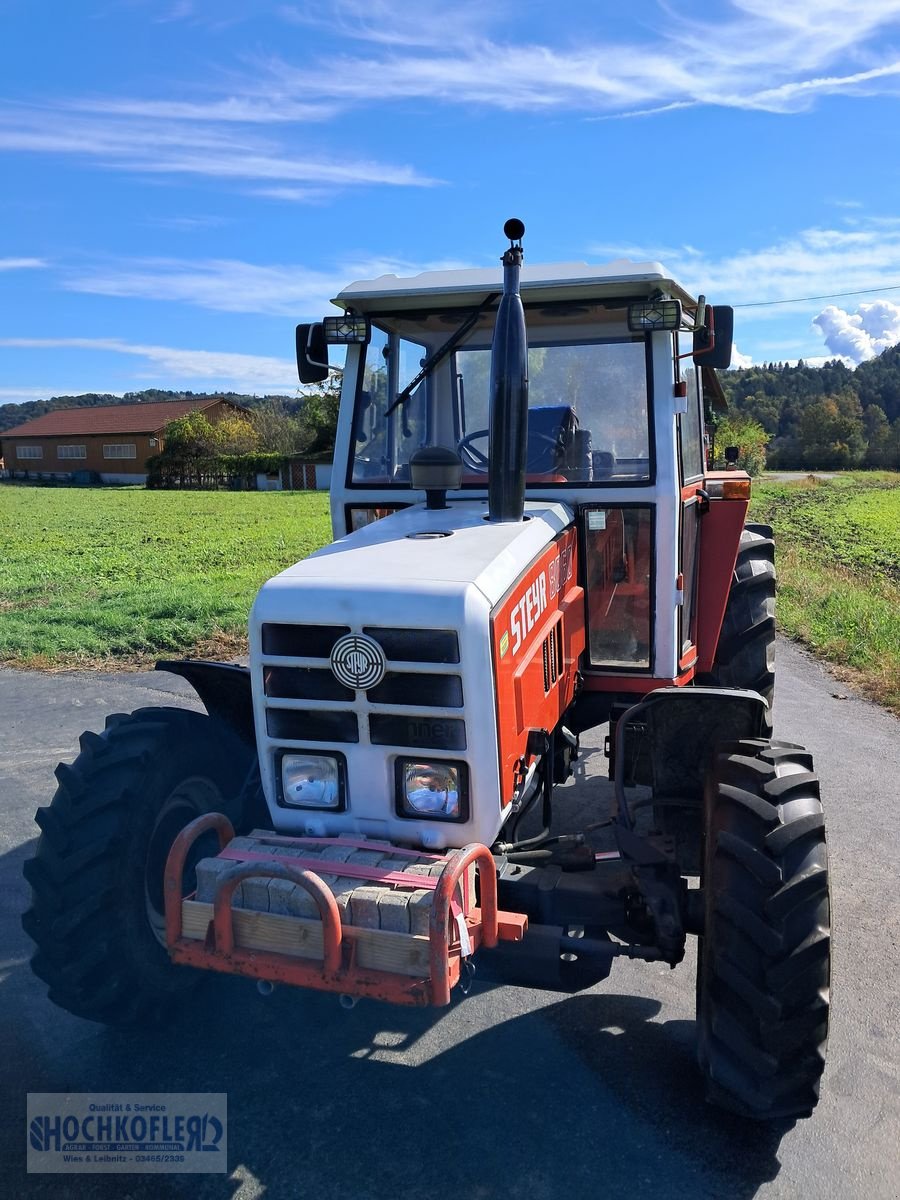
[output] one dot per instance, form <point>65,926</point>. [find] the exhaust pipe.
<point>508,444</point>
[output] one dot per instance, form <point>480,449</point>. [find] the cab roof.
<point>539,282</point>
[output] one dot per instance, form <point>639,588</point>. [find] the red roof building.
<point>114,440</point>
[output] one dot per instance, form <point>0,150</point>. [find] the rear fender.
<point>224,690</point>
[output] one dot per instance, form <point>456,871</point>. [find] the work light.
<point>653,315</point>
<point>346,330</point>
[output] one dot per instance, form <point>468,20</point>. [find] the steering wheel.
<point>476,460</point>
<point>473,458</point>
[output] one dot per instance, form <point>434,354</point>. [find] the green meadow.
<point>119,576</point>
<point>106,575</point>
<point>838,560</point>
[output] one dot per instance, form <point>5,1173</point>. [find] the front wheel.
<point>764,962</point>
<point>97,874</point>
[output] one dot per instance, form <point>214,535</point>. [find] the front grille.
<point>315,683</point>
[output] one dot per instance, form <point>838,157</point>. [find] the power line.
<point>828,296</point>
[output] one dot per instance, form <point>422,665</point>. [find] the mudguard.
<point>224,689</point>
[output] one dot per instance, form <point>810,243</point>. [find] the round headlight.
<point>311,781</point>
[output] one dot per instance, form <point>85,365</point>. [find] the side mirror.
<point>713,342</point>
<point>732,454</point>
<point>312,353</point>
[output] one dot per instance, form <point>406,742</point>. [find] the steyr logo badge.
<point>357,661</point>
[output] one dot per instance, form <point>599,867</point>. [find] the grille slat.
<point>431,691</point>
<point>311,725</point>
<point>423,731</point>
<point>417,645</point>
<point>303,683</point>
<point>301,641</point>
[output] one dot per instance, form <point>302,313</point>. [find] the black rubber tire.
<point>764,965</point>
<point>745,655</point>
<point>96,900</point>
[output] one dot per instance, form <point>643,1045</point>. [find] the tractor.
<point>528,545</point>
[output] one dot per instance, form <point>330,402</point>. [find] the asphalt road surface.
<point>509,1092</point>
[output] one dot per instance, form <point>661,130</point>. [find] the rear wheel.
<point>745,656</point>
<point>764,966</point>
<point>97,875</point>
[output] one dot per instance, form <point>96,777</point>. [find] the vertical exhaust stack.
<point>508,443</point>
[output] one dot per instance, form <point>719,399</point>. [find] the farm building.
<point>113,440</point>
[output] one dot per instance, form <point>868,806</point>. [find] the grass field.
<point>838,558</point>
<point>97,574</point>
<point>119,576</point>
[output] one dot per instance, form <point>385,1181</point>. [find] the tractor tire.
<point>764,963</point>
<point>97,875</point>
<point>745,655</point>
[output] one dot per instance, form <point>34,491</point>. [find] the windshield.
<point>588,421</point>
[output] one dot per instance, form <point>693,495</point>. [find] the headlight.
<point>312,781</point>
<point>433,790</point>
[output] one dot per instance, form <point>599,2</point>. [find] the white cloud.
<point>739,360</point>
<point>248,110</point>
<point>240,372</point>
<point>22,264</point>
<point>818,263</point>
<point>229,285</point>
<point>755,54</point>
<point>173,147</point>
<point>862,334</point>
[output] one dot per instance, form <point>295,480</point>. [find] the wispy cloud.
<point>760,54</point>
<point>229,285</point>
<point>243,372</point>
<point>246,110</point>
<point>859,255</point>
<point>171,147</point>
<point>22,264</point>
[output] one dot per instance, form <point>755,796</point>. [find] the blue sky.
<point>183,181</point>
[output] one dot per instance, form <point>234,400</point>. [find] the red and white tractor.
<point>528,545</point>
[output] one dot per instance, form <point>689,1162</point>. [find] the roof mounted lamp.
<point>652,316</point>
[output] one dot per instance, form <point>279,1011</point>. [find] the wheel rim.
<point>192,798</point>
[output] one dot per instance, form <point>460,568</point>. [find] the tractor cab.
<point>620,371</point>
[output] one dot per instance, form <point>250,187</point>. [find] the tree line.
<point>828,417</point>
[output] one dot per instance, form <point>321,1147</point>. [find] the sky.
<point>185,180</point>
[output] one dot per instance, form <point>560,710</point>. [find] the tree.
<point>318,418</point>
<point>879,438</point>
<point>832,432</point>
<point>235,434</point>
<point>736,429</point>
<point>278,431</point>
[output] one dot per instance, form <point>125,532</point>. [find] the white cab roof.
<point>541,281</point>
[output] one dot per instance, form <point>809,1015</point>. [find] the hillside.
<point>18,414</point>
